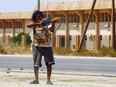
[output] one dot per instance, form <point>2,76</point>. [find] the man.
<point>42,44</point>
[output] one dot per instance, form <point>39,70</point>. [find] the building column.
<point>57,41</point>
<point>23,25</point>
<point>81,16</point>
<point>111,36</point>
<point>66,30</point>
<point>13,27</point>
<point>77,41</point>
<point>23,40</point>
<point>7,39</point>
<point>52,14</point>
<point>97,37</point>
<point>3,31</point>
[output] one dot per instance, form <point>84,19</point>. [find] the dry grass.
<point>103,52</point>
<point>18,49</point>
<point>2,49</point>
<point>14,49</point>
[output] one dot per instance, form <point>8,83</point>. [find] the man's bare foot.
<point>34,82</point>
<point>49,83</point>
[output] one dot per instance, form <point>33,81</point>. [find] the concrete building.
<point>69,34</point>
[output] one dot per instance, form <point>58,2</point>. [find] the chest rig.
<point>42,36</point>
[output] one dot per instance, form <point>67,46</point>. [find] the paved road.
<point>63,64</point>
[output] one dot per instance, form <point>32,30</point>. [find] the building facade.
<point>74,15</point>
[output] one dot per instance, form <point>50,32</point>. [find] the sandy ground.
<point>22,78</point>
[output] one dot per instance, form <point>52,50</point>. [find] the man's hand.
<point>55,19</point>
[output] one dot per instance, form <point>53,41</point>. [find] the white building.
<point>99,32</point>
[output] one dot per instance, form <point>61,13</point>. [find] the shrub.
<point>17,39</point>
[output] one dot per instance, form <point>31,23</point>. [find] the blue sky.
<point>22,5</point>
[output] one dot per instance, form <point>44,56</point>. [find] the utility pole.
<point>47,7</point>
<point>87,24</point>
<point>38,6</point>
<point>113,25</point>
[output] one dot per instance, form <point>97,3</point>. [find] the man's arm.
<point>53,21</point>
<point>32,25</point>
<point>52,26</point>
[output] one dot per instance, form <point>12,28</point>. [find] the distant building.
<point>69,34</point>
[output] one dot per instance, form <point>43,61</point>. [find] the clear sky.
<point>22,5</point>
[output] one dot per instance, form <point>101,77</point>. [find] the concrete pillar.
<point>97,37</point>
<point>23,40</point>
<point>73,42</point>
<point>77,41</point>
<point>13,28</point>
<point>81,16</point>
<point>109,40</point>
<point>66,30</point>
<point>57,41</point>
<point>23,25</point>
<point>3,31</point>
<point>7,39</point>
